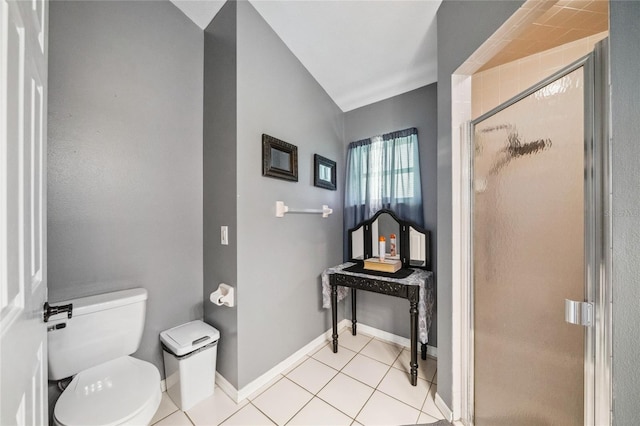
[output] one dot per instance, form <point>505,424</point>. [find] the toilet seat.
<point>125,390</point>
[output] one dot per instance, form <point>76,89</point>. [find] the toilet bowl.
<point>109,387</point>
<point>118,392</point>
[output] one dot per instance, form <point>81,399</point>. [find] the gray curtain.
<point>383,172</point>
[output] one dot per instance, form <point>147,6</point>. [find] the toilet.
<point>109,387</point>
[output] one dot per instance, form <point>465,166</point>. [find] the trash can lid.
<point>189,337</point>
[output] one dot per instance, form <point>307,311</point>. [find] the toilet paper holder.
<point>224,295</point>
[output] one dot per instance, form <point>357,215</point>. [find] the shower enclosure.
<point>536,246</point>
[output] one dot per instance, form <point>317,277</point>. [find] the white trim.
<point>163,385</point>
<point>291,360</point>
<point>4,23</point>
<point>393,338</point>
<point>239,395</point>
<point>444,408</point>
<point>460,178</point>
<point>227,387</point>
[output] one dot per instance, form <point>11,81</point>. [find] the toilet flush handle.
<point>54,310</point>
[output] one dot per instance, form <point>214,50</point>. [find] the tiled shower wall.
<point>494,86</point>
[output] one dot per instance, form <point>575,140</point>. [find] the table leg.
<point>413,311</point>
<point>423,350</point>
<point>353,311</point>
<point>334,316</point>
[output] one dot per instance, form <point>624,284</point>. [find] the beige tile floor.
<point>365,383</point>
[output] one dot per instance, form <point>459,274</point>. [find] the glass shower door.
<point>529,256</point>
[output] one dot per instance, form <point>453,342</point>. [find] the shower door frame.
<point>597,199</point>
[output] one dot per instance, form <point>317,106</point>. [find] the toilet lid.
<point>109,393</point>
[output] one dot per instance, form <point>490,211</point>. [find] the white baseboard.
<point>444,408</point>
<point>393,338</point>
<point>239,395</point>
<point>227,387</point>
<point>163,385</point>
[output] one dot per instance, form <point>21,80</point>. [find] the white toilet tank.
<point>102,328</point>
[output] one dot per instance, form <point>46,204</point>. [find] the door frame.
<point>597,375</point>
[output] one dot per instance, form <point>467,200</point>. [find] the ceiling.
<point>200,11</point>
<point>546,25</point>
<point>359,51</point>
<point>363,51</point>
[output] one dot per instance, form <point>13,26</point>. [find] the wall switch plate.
<point>224,235</point>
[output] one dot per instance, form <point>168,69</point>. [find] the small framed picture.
<point>279,159</point>
<point>325,172</point>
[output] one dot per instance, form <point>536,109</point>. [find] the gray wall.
<point>281,259</point>
<point>125,158</point>
<point>625,110</point>
<point>220,182</point>
<point>417,108</point>
<point>462,27</point>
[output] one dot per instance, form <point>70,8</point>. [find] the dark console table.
<point>417,288</point>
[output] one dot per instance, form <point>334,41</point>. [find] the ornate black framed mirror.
<point>324,175</point>
<point>412,241</point>
<point>279,159</point>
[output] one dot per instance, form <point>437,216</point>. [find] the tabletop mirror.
<point>385,225</point>
<point>412,242</point>
<point>356,243</point>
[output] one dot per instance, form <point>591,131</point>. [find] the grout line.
<point>162,418</point>
<point>318,349</point>
<point>301,408</point>
<point>295,366</point>
<point>355,378</point>
<point>255,395</point>
<point>235,412</point>
<point>265,414</point>
<point>399,400</point>
<point>391,396</point>
<point>320,361</point>
<point>323,363</point>
<point>365,403</point>
<point>231,415</point>
<point>358,380</point>
<point>334,407</point>
<point>189,418</point>
<point>376,388</point>
<point>301,387</point>
<point>391,365</point>
<point>316,395</point>
<point>340,371</point>
<point>420,412</point>
<point>381,380</point>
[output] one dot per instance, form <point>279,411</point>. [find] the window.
<point>390,171</point>
<point>383,172</point>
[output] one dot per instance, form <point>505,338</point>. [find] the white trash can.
<point>190,352</point>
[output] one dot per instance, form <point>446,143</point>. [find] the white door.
<point>23,273</point>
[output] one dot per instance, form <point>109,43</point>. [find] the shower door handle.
<point>580,313</point>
